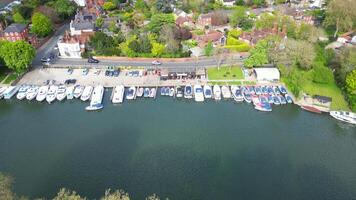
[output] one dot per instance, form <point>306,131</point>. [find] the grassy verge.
<point>10,78</point>
<point>225,73</point>
<point>232,83</point>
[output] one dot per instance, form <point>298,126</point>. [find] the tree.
<point>258,55</point>
<point>99,22</point>
<point>157,49</point>
<point>17,55</point>
<point>239,2</point>
<point>164,6</point>
<point>64,8</point>
<point>41,25</point>
<point>351,88</point>
<point>17,17</point>
<point>309,33</point>
<point>145,44</point>
<point>219,17</point>
<point>158,20</point>
<point>265,20</point>
<point>109,6</point>
<point>237,16</point>
<point>341,15</point>
<point>117,195</point>
<point>347,63</point>
<point>209,49</point>
<point>259,3</point>
<point>322,74</point>
<point>140,5</point>
<point>65,194</point>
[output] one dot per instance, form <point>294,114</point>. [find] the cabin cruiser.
<point>118,94</point>
<point>32,93</point>
<point>288,98</point>
<point>188,92</point>
<point>131,92</point>
<point>153,93</point>
<point>236,93</point>
<point>61,92</point>
<point>139,92</point>
<point>2,90</point>
<point>207,92</point>
<point>255,99</point>
<point>179,92</point>
<point>276,90</point>
<point>70,92</point>
<point>217,92</point>
<point>198,93</point>
<point>282,99</point>
<point>264,90</point>
<point>21,94</point>
<point>270,90</point>
<point>247,96</point>
<point>86,93</point>
<point>78,90</point>
<point>52,93</point>
<point>42,93</point>
<point>96,99</point>
<point>10,92</point>
<point>264,105</point>
<point>146,92</point>
<point>344,116</point>
<point>226,93</point>
<point>276,100</point>
<point>282,89</point>
<point>171,92</point>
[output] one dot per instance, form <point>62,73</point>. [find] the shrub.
<point>322,74</point>
<point>239,48</point>
<point>235,33</point>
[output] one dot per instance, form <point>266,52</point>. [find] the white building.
<point>80,3</point>
<point>267,74</point>
<point>228,3</point>
<point>70,47</point>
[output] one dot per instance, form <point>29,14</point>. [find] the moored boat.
<point>171,92</point>
<point>237,93</point>
<point>198,93</point>
<point>52,93</point>
<point>87,92</point>
<point>270,90</point>
<point>311,109</point>
<point>78,90</point>
<point>97,98</point>
<point>263,107</point>
<point>207,92</point>
<point>21,94</point>
<point>276,100</point>
<point>2,90</point>
<point>276,90</point>
<point>153,93</point>
<point>32,93</point>
<point>226,93</point>
<point>264,90</point>
<point>146,92</point>
<point>179,92</point>
<point>118,94</point>
<point>42,93</point>
<point>188,92</point>
<point>131,92</point>
<point>139,92</point>
<point>344,116</point>
<point>61,92</point>
<point>289,99</point>
<point>247,96</point>
<point>282,99</point>
<point>258,90</point>
<point>217,92</point>
<point>70,92</point>
<point>282,89</point>
<point>10,92</point>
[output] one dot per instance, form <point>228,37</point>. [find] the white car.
<point>156,62</point>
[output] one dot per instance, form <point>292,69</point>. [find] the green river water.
<point>177,149</point>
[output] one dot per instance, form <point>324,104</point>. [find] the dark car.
<point>92,60</point>
<point>116,73</point>
<point>70,81</point>
<point>45,59</point>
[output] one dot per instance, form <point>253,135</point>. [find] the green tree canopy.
<point>351,82</point>
<point>17,17</point>
<point>258,55</point>
<point>41,25</point>
<point>209,49</point>
<point>158,20</point>
<point>65,8</point>
<point>164,6</point>
<point>109,6</point>
<point>17,55</point>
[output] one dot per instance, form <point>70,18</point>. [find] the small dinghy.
<point>179,92</point>
<point>289,99</point>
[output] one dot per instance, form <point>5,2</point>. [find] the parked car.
<point>70,81</point>
<point>116,73</point>
<point>45,59</point>
<point>92,60</point>
<point>156,62</point>
<point>85,71</point>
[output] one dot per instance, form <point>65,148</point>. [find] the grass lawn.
<point>10,78</point>
<point>231,83</point>
<point>225,73</point>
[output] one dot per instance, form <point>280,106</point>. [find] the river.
<point>177,149</point>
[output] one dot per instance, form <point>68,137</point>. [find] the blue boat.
<point>263,99</point>
<point>166,91</point>
<point>258,90</point>
<point>264,90</point>
<point>270,90</point>
<point>247,96</point>
<point>252,89</point>
<point>146,92</point>
<point>276,90</point>
<point>282,89</point>
<point>276,100</point>
<point>288,98</point>
<point>270,99</point>
<point>162,91</point>
<point>282,99</point>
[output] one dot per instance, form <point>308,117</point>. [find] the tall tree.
<point>17,55</point>
<point>65,8</point>
<point>41,25</point>
<point>164,6</point>
<point>17,17</point>
<point>258,55</point>
<point>341,15</point>
<point>158,20</point>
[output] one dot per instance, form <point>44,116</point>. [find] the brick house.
<point>216,37</point>
<point>15,32</point>
<point>205,20</point>
<point>254,36</point>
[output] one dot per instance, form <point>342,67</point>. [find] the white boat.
<point>171,92</point>
<point>153,92</point>
<point>348,117</point>
<point>139,92</point>
<point>217,92</point>
<point>78,90</point>
<point>226,93</point>
<point>61,92</point>
<point>207,92</point>
<point>118,94</point>
<point>131,93</point>
<point>52,93</point>
<point>179,92</point>
<point>70,92</point>
<point>2,90</point>
<point>188,92</point>
<point>96,99</point>
<point>21,94</point>
<point>42,93</point>
<point>10,92</point>
<point>237,93</point>
<point>198,93</point>
<point>86,93</point>
<point>32,93</point>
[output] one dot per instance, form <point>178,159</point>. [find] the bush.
<point>322,74</point>
<point>239,48</point>
<point>235,33</point>
<point>233,41</point>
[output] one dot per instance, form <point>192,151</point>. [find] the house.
<point>254,36</point>
<point>83,3</point>
<point>185,21</point>
<point>216,37</point>
<point>71,46</point>
<point>179,13</point>
<point>205,20</point>
<point>15,32</point>
<point>347,38</point>
<point>228,3</point>
<point>83,24</point>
